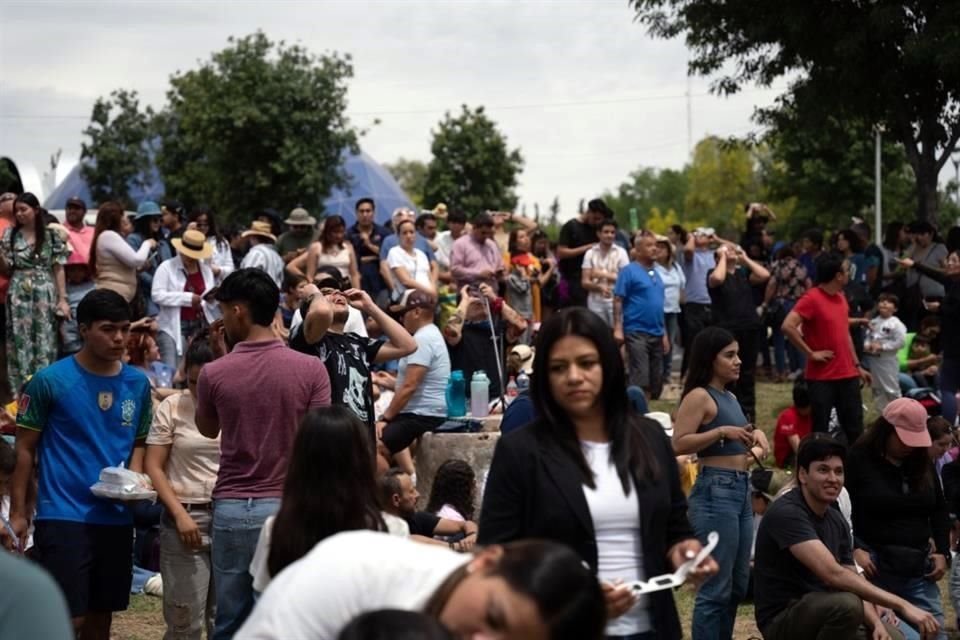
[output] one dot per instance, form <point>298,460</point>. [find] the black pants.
<point>696,318</point>
<point>749,340</point>
<point>407,427</point>
<point>842,395</point>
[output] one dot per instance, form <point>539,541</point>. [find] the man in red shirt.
<point>818,326</point>
<point>793,425</point>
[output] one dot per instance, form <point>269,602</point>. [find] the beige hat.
<point>193,244</point>
<point>258,228</point>
<point>300,217</point>
<point>522,357</point>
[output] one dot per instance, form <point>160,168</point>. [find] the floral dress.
<point>31,304</point>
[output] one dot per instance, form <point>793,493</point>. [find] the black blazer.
<point>534,490</point>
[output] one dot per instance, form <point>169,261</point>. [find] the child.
<point>293,285</point>
<point>885,336</point>
<point>793,425</point>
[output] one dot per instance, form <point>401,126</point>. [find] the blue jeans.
<point>672,325</point>
<point>720,501</point>
<point>918,592</point>
<point>949,385</point>
<point>236,529</point>
<point>783,349</point>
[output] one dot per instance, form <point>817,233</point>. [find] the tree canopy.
<point>411,175</point>
<point>884,63</point>
<point>472,167</point>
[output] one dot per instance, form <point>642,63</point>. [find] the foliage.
<point>411,175</point>
<point>882,62</point>
<point>118,154</point>
<point>722,181</point>
<point>260,124</point>
<point>647,189</point>
<point>472,168</point>
<point>8,179</point>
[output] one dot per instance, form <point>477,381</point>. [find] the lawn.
<point>144,619</point>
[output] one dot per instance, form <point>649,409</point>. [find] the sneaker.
<point>793,375</point>
<point>154,586</point>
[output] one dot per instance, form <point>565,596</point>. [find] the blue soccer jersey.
<point>87,422</point>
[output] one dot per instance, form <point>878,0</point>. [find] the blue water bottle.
<point>456,395</point>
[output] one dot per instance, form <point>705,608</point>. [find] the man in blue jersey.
<point>75,417</point>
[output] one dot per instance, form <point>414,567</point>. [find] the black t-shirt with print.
<point>347,358</point>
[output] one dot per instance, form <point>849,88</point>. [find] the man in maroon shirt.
<point>255,396</point>
<point>818,326</point>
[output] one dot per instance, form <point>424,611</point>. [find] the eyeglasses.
<point>678,577</point>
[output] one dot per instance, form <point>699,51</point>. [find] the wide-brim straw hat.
<point>193,244</point>
<point>259,228</point>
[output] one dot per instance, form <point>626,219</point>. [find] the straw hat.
<point>258,228</point>
<point>193,244</point>
<point>300,217</point>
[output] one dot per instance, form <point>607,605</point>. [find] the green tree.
<point>647,189</point>
<point>884,62</point>
<point>411,175</point>
<point>472,167</point>
<point>8,179</point>
<point>118,153</point>
<point>721,181</point>
<point>260,124</point>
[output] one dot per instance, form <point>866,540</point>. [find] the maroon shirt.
<point>194,284</point>
<point>258,393</point>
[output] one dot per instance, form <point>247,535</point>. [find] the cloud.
<point>578,86</point>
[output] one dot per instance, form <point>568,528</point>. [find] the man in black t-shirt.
<point>348,356</point>
<point>805,582</point>
<point>576,238</point>
<point>399,498</point>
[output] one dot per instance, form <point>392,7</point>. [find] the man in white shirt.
<point>601,266</point>
<point>263,254</point>
<point>456,227</point>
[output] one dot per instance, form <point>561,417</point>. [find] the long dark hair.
<point>704,350</point>
<point>454,484</point>
<point>565,592</point>
<point>512,243</point>
<point>142,227</point>
<point>109,217</point>
<point>631,436</point>
<point>39,224</point>
<point>330,485</point>
<point>917,467</point>
<point>213,231</point>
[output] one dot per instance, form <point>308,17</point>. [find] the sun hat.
<point>259,228</point>
<point>416,299</point>
<point>300,217</point>
<point>147,208</point>
<point>664,419</point>
<point>193,244</point>
<point>769,482</point>
<point>909,418</point>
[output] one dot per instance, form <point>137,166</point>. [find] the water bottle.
<point>480,395</point>
<point>523,382</point>
<point>456,395</point>
<point>512,390</point>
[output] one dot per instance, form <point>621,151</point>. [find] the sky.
<point>579,86</point>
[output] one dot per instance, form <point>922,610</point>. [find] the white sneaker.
<point>154,586</point>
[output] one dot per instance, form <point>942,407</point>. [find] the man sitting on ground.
<point>805,582</point>
<point>400,497</point>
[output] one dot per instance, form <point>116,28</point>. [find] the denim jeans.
<point>783,350</point>
<point>168,349</point>
<point>189,601</point>
<point>918,592</point>
<point>955,587</point>
<point>236,529</point>
<point>949,385</point>
<point>720,501</point>
<point>844,396</point>
<point>672,323</point>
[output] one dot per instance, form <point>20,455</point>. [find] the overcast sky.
<point>578,86</point>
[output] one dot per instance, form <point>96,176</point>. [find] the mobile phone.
<point>210,296</point>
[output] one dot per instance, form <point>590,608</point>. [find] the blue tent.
<point>366,178</point>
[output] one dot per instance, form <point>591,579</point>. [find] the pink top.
<point>258,393</point>
<point>80,240</point>
<point>468,258</point>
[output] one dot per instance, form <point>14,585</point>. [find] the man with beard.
<point>399,497</point>
<point>256,394</point>
<point>346,355</point>
<point>301,232</point>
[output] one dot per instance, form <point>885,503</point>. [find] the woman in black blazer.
<point>594,475</point>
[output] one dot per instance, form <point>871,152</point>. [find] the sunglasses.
<point>678,577</point>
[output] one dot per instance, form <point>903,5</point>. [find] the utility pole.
<point>878,214</point>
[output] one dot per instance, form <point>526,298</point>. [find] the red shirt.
<point>824,328</point>
<point>194,284</point>
<point>790,423</point>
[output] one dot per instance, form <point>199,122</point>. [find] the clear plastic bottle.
<point>523,382</point>
<point>512,389</point>
<point>479,395</point>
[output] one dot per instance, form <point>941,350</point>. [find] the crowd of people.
<point>274,385</point>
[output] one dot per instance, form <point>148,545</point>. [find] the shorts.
<point>92,563</point>
<point>406,428</point>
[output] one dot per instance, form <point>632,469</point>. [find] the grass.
<point>144,619</point>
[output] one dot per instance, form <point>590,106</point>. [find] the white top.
<point>616,526</point>
<point>416,265</point>
<point>338,258</point>
<point>258,566</point>
<point>448,512</point>
<point>674,282</point>
<point>444,249</point>
<point>265,257</point>
<point>354,323</point>
<point>344,576</point>
<point>222,257</point>
<point>168,292</point>
<point>613,260</point>
<point>889,333</point>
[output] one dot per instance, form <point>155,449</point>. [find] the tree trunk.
<point>928,200</point>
